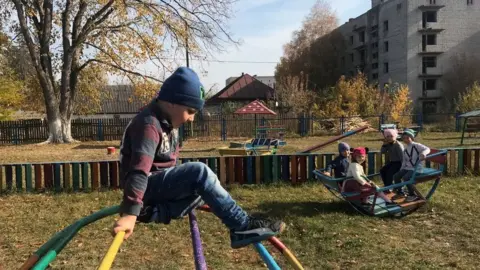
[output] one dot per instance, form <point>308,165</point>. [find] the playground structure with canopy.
<point>267,138</point>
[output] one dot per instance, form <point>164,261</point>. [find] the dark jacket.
<point>339,165</point>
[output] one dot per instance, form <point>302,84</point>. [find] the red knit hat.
<point>359,151</point>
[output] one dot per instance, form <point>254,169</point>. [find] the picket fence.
<point>294,169</point>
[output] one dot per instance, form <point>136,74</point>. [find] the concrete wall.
<point>393,11</point>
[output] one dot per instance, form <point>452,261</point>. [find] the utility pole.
<point>188,65</point>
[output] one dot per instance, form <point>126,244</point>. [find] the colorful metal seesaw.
<point>377,206</point>
<point>41,258</point>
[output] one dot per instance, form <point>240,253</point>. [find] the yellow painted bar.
<point>292,260</point>
<point>112,252</point>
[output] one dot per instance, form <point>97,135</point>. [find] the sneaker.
<point>411,198</point>
<point>145,215</point>
<point>257,229</point>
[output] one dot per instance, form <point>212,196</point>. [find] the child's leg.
<point>196,178</point>
<point>384,197</point>
<point>406,177</point>
<point>384,174</point>
<point>397,179</point>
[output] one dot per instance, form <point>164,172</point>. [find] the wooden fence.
<point>294,169</point>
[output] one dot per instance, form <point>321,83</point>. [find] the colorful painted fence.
<point>295,169</point>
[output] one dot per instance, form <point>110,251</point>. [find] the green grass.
<point>91,151</point>
<point>323,232</point>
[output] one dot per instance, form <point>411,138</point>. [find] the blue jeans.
<point>404,175</point>
<point>177,190</point>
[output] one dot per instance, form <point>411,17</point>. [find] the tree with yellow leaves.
<point>401,105</point>
<point>115,36</point>
<point>10,85</point>
<point>470,99</point>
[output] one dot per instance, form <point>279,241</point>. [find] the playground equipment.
<point>377,206</point>
<point>254,147</point>
<point>48,252</point>
<point>264,143</point>
<point>472,126</point>
<point>334,139</point>
<point>416,129</point>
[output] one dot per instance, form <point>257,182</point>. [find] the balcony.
<point>432,7</point>
<point>430,27</point>
<point>432,94</point>
<point>431,49</point>
<point>430,72</point>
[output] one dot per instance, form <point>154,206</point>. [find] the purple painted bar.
<point>200,263</point>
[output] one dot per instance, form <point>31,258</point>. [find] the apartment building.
<point>412,42</point>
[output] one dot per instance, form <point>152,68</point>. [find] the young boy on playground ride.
<point>360,182</point>
<point>394,150</point>
<point>413,153</point>
<point>340,164</point>
<point>155,189</point>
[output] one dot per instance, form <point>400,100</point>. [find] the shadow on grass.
<point>305,209</point>
<point>95,146</point>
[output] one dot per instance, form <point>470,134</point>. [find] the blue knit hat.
<point>343,147</point>
<point>183,87</point>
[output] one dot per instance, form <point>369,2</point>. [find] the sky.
<point>264,26</point>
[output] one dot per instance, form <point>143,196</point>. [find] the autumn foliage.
<point>470,99</point>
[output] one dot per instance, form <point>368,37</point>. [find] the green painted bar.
<point>1,178</point>
<point>311,167</point>
<point>460,168</point>
<point>67,179</point>
<point>275,166</point>
<point>85,176</point>
<point>9,176</point>
<point>371,163</point>
<point>328,158</point>
<point>267,169</point>
<point>250,169</point>
<point>56,177</point>
<point>76,176</point>
<point>211,165</point>
<point>28,177</point>
<point>19,177</point>
<point>104,174</point>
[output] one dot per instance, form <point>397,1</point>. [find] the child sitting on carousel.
<point>340,164</point>
<point>360,182</point>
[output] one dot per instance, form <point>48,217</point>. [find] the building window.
<point>351,40</point>
<point>430,84</point>
<point>385,46</point>
<point>374,76</point>
<point>361,36</point>
<point>352,57</point>
<point>343,61</point>
<point>374,34</point>
<point>385,26</point>
<point>429,107</point>
<point>431,39</point>
<point>374,45</point>
<point>375,55</point>
<point>399,6</point>
<point>374,65</point>
<point>469,2</point>
<point>429,61</point>
<point>385,67</point>
<point>430,16</point>
<point>433,2</point>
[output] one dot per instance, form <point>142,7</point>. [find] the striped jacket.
<point>149,145</point>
